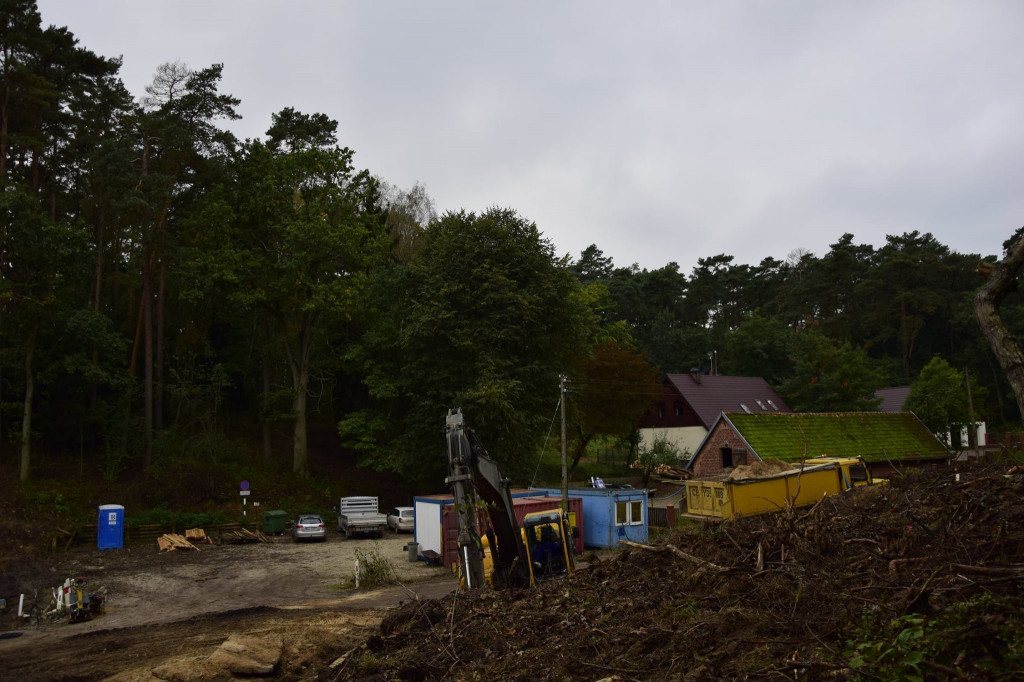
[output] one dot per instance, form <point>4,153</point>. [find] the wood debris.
<point>243,536</point>
<point>197,534</point>
<point>170,542</point>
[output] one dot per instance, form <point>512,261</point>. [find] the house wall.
<point>686,438</point>
<point>672,402</point>
<point>708,461</point>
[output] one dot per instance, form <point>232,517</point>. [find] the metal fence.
<point>657,516</point>
<point>618,456</point>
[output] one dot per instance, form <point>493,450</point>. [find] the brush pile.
<point>921,579</point>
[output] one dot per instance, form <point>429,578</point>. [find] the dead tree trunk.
<point>1002,281</point>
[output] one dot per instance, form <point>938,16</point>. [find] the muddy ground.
<point>161,606</point>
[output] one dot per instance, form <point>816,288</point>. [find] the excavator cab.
<point>548,543</point>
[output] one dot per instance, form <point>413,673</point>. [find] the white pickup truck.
<point>359,515</point>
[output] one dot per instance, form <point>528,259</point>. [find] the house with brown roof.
<point>690,404</point>
<point>886,441</point>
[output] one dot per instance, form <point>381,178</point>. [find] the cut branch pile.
<point>172,541</point>
<point>923,578</point>
<point>243,536</point>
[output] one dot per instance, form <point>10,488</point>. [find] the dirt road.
<point>185,603</point>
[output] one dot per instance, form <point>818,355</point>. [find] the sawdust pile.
<point>921,579</point>
<point>768,467</point>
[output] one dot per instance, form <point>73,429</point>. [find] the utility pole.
<point>565,460</point>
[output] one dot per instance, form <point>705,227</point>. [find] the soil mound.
<point>768,467</point>
<point>919,579</point>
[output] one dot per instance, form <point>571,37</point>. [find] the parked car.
<point>309,527</point>
<point>402,518</point>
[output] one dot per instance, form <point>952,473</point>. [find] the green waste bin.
<point>273,522</point>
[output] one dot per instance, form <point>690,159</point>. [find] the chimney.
<point>695,374</point>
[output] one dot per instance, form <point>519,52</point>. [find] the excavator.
<point>505,555</point>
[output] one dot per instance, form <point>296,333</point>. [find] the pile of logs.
<point>241,536</point>
<point>199,534</point>
<point>170,542</point>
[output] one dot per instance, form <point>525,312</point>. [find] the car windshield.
<point>309,519</point>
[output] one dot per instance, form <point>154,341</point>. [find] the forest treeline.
<point>166,285</point>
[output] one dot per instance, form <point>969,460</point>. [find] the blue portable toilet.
<point>110,527</point>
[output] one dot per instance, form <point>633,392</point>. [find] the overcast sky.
<point>660,131</point>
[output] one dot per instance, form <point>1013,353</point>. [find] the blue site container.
<point>110,527</point>
<point>610,514</point>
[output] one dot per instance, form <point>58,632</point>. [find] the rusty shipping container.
<point>522,506</point>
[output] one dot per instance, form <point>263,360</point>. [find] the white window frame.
<point>629,520</point>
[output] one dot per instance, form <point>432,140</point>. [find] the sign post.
<point>244,492</point>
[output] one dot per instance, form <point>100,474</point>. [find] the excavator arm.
<point>473,475</point>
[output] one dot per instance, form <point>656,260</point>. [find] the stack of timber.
<point>242,536</point>
<point>672,472</point>
<point>199,534</point>
<point>172,541</point>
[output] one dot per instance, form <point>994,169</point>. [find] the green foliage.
<point>181,520</point>
<point>901,656</point>
<point>374,569</point>
<point>984,630</point>
<point>829,377</point>
<point>661,452</point>
<point>491,319</point>
<point>939,397</point>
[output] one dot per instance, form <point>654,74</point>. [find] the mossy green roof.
<point>875,436</point>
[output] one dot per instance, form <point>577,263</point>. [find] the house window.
<point>761,405</point>
<point>773,405</point>
<point>679,409</point>
<point>739,456</point>
<point>661,410</point>
<point>629,513</point>
<point>745,408</point>
<point>726,458</point>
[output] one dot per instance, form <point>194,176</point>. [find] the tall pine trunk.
<point>266,407</point>
<point>158,403</point>
<point>147,336</point>
<point>298,362</point>
<point>26,420</point>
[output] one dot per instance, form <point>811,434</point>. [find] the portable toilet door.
<point>110,527</point>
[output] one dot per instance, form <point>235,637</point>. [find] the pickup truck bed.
<point>359,515</point>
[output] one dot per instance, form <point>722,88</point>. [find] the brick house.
<point>886,441</point>
<point>690,404</point>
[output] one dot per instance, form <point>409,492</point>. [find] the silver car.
<point>402,518</point>
<point>309,527</point>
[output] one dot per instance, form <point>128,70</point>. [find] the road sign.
<point>244,493</point>
<point>244,485</point>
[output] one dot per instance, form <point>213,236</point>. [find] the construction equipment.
<point>507,555</point>
<point>801,485</point>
